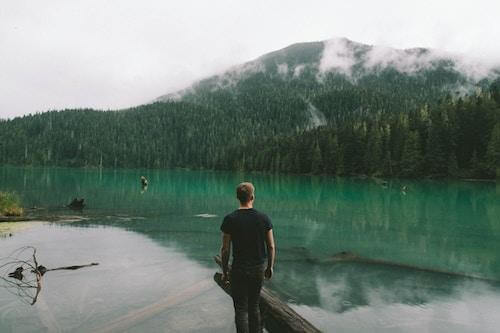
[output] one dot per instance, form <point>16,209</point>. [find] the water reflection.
<point>138,285</point>
<point>344,286</point>
<point>356,297</point>
<point>472,309</point>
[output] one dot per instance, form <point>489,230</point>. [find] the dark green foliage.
<point>425,143</point>
<point>453,139</point>
<point>412,160</point>
<point>493,152</point>
<point>10,205</point>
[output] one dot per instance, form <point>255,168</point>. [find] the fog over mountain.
<point>353,61</point>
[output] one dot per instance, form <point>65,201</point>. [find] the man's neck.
<point>246,206</point>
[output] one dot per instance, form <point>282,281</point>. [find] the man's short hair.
<point>245,192</point>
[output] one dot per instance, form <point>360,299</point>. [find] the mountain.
<point>312,75</point>
<point>336,107</point>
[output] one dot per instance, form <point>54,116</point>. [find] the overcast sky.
<point>57,54</point>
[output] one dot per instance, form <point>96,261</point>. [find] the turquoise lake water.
<point>155,247</point>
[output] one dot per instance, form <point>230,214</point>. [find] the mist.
<point>339,55</point>
<point>59,54</point>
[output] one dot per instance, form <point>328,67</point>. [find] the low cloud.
<point>298,70</point>
<point>282,69</point>
<point>341,55</point>
<point>338,56</point>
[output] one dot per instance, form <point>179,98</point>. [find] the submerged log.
<point>137,316</point>
<point>77,204</point>
<point>346,256</point>
<point>276,314</point>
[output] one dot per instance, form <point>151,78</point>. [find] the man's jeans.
<point>246,283</point>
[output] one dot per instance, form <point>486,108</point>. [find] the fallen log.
<point>346,256</point>
<point>276,314</point>
<point>15,218</point>
<point>138,316</point>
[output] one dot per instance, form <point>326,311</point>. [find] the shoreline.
<point>40,218</point>
<point>264,172</point>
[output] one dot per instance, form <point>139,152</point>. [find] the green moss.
<point>10,204</point>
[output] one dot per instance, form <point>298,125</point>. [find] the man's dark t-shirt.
<point>248,228</point>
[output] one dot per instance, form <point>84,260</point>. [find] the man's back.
<point>248,228</point>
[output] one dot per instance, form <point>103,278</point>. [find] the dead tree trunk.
<point>276,314</point>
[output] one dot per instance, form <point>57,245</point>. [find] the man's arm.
<point>271,253</point>
<point>225,251</point>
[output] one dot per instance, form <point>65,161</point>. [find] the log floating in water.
<point>277,315</point>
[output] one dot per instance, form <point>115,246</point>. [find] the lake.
<point>155,247</point>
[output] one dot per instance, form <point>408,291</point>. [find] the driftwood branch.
<point>277,315</point>
<point>38,276</point>
<point>21,274</point>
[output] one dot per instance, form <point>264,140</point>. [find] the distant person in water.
<point>144,184</point>
<point>250,233</point>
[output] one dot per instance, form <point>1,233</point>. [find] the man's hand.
<point>225,251</point>
<point>225,278</point>
<point>268,273</point>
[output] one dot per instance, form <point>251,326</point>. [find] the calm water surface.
<point>155,268</point>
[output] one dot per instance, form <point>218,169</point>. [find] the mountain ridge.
<point>353,60</point>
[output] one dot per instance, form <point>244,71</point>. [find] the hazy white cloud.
<point>117,53</point>
<point>414,60</point>
<point>406,62</point>
<point>338,56</point>
<point>231,76</point>
<point>298,70</point>
<point>282,69</point>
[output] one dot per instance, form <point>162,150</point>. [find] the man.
<point>251,235</point>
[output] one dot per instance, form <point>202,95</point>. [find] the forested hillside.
<point>452,139</point>
<point>301,109</point>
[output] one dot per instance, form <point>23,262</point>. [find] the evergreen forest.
<point>452,138</point>
<point>378,123</point>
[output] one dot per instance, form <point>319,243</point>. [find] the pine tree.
<point>331,155</point>
<point>453,170</point>
<point>474,165</point>
<point>411,165</point>
<point>316,160</point>
<point>373,152</point>
<point>493,152</point>
<point>438,145</point>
